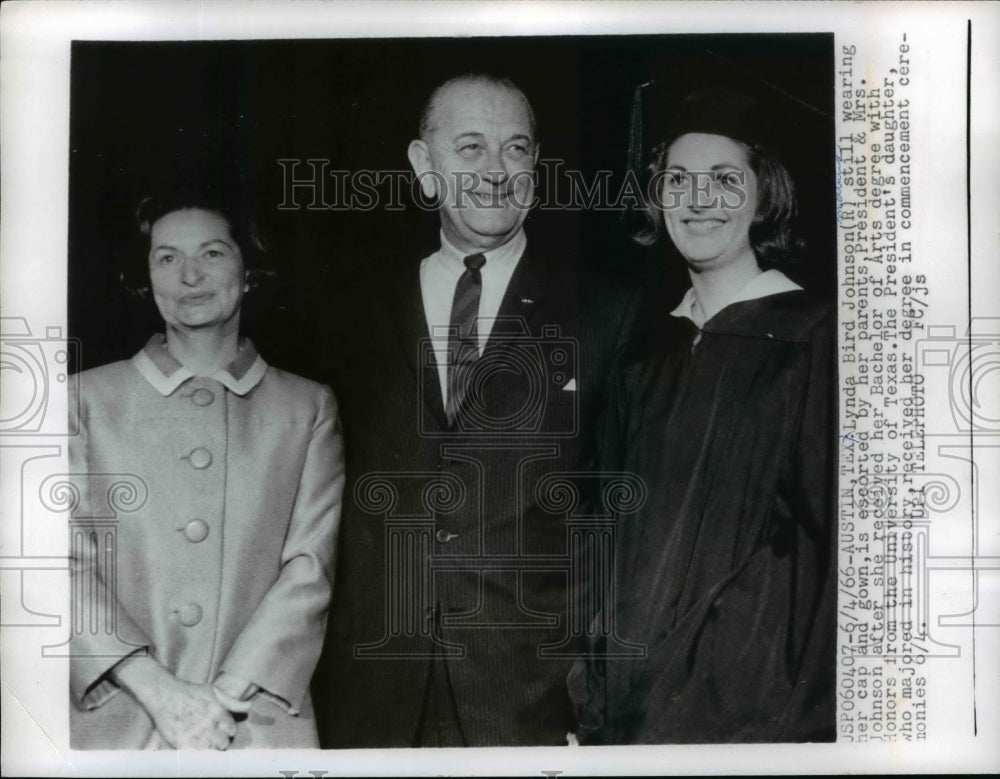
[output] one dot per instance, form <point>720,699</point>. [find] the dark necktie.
<point>463,338</point>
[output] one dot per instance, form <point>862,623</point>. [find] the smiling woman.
<point>215,642</point>
<point>730,567</point>
<point>196,271</point>
<point>710,230</point>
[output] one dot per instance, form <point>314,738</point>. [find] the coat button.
<point>196,531</point>
<point>443,536</point>
<point>202,396</point>
<point>199,458</point>
<point>189,614</point>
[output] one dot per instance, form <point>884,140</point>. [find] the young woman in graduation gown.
<point>727,575</point>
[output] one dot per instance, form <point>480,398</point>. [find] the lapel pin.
<point>527,301</point>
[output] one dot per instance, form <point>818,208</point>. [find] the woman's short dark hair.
<point>771,232</point>
<point>234,210</point>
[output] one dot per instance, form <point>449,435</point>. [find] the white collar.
<point>505,254</point>
<point>166,374</point>
<point>770,282</point>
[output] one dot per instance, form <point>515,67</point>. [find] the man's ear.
<point>420,160</point>
<point>538,150</point>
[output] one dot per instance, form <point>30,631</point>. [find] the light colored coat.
<point>226,566</point>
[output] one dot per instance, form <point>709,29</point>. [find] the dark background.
<point>145,113</point>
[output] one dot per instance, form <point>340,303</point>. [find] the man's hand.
<point>187,716</point>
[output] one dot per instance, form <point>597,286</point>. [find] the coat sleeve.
<point>279,647</point>
<point>103,633</point>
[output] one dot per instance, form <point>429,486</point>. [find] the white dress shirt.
<point>770,282</point>
<point>439,274</point>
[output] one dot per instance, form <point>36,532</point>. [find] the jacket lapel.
<point>522,300</point>
<point>414,340</point>
<point>520,305</point>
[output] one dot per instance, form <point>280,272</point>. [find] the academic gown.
<point>728,572</point>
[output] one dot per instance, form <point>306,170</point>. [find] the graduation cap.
<point>750,101</point>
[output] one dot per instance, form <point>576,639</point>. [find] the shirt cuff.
<point>106,688</point>
<point>234,687</point>
<point>238,689</point>
<point>98,694</point>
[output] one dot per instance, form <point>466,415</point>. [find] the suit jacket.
<point>440,524</point>
<point>220,558</point>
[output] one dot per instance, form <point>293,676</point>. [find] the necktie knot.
<point>474,262</point>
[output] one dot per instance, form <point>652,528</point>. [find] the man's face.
<point>478,160</point>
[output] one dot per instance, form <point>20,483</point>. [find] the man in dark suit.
<point>469,422</point>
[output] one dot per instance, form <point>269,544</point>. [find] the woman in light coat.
<point>216,589</point>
